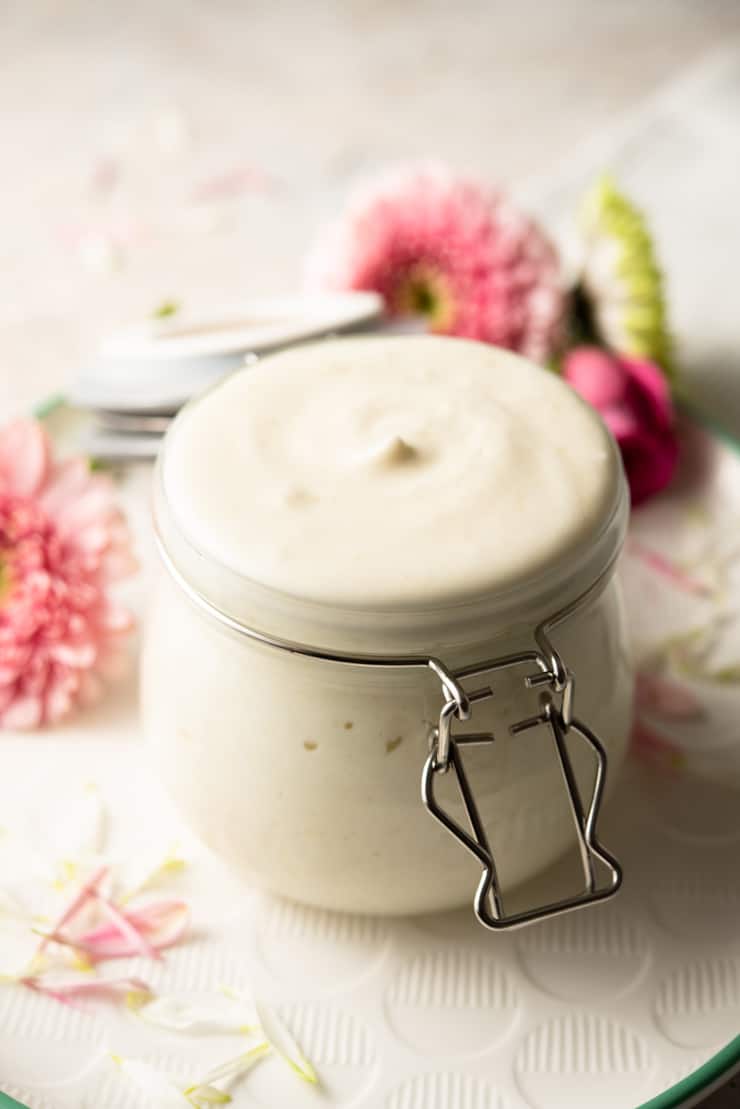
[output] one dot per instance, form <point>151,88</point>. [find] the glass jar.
<point>313,745</point>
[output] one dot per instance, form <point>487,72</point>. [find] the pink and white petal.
<point>133,932</point>
<point>59,702</point>
<point>157,1087</point>
<point>653,387</point>
<point>117,564</point>
<point>117,620</point>
<point>163,922</point>
<point>91,688</point>
<point>81,655</point>
<point>7,693</point>
<point>129,934</point>
<point>81,898</point>
<point>24,458</point>
<point>111,989</point>
<point>23,713</point>
<point>67,482</point>
<point>93,505</point>
<point>668,699</point>
<point>92,538</point>
<point>114,663</point>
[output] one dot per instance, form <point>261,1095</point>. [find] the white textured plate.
<point>608,1007</point>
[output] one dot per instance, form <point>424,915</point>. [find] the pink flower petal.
<point>118,564</point>
<point>59,703</point>
<point>87,890</point>
<point>128,932</point>
<point>164,922</point>
<point>666,698</point>
<point>452,251</point>
<point>23,714</point>
<point>668,569</point>
<point>117,620</point>
<point>78,655</point>
<point>90,506</point>
<point>111,989</point>
<point>633,397</point>
<point>149,930</point>
<point>24,458</point>
<point>656,748</point>
<point>597,376</point>
<point>653,388</point>
<point>63,541</point>
<point>68,480</point>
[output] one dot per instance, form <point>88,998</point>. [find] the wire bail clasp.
<point>546,670</point>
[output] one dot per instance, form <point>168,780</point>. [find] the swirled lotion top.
<point>391,473</point>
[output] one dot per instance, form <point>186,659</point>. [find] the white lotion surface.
<point>387,471</point>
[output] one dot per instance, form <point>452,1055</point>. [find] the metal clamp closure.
<point>547,671</point>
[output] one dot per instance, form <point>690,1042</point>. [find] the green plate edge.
<point>709,1074</point>
<point>716,1067</point>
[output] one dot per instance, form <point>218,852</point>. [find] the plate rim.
<point>713,1071</point>
<point>710,1073</point>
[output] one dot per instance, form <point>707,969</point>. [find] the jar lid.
<point>368,489</point>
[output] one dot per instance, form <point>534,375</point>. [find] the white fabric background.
<point>113,117</point>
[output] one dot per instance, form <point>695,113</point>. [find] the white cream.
<point>377,471</point>
<point>352,491</point>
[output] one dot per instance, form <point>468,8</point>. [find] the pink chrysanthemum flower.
<point>62,542</point>
<point>451,250</point>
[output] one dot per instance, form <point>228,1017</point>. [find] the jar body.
<point>305,774</point>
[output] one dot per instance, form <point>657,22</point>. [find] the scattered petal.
<point>166,309</point>
<point>666,698</point>
<point>233,182</point>
<point>137,942</point>
<point>278,1036</point>
<point>105,175</point>
<point>206,1093</point>
<point>160,1089</point>
<point>697,668</point>
<point>145,872</point>
<point>656,748</point>
<point>669,569</point>
<point>163,922</point>
<point>130,990</point>
<point>215,1015</point>
<point>83,895</point>
<point>159,925</point>
<point>201,1096</point>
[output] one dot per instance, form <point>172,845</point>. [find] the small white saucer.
<point>158,365</point>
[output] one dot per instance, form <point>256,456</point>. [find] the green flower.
<point>621,298</point>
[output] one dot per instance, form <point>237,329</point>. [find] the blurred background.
<point>188,150</point>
